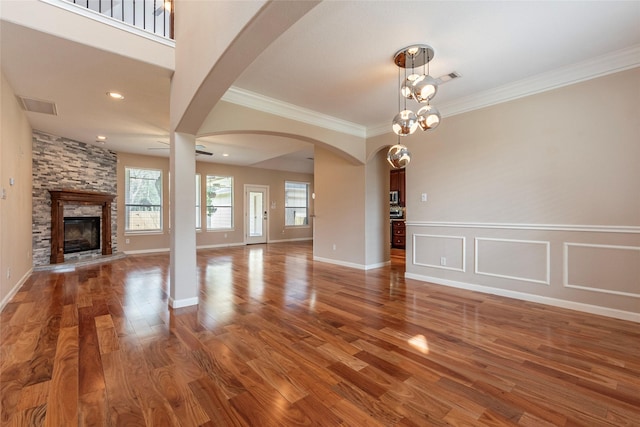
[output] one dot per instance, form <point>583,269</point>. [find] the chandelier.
<point>419,87</point>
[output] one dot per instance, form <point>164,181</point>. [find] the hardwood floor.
<point>280,340</point>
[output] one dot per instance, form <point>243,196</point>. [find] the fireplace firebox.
<point>81,234</point>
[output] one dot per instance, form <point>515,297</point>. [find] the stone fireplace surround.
<point>58,199</point>
<point>61,163</point>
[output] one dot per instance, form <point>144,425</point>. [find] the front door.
<point>256,215</point>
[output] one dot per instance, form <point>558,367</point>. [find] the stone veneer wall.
<point>63,164</point>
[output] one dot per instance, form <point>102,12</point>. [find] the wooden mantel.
<point>77,197</point>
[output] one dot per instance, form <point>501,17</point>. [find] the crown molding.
<point>614,62</point>
<point>380,129</point>
<point>263,103</point>
<point>603,65</point>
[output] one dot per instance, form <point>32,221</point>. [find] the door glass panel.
<point>255,213</point>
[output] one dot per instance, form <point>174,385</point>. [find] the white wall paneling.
<point>439,251</point>
<point>592,266</point>
<point>524,260</point>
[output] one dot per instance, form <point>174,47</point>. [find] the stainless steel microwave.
<point>393,197</point>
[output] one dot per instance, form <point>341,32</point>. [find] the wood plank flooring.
<point>280,340</point>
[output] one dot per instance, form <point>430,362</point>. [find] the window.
<point>198,198</point>
<point>296,203</point>
<point>143,199</point>
<point>219,202</point>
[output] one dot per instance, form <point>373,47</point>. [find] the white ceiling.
<point>336,61</point>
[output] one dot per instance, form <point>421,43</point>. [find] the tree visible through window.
<point>296,203</point>
<point>219,202</point>
<point>143,199</point>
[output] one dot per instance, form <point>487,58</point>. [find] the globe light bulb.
<point>405,123</point>
<point>428,117</point>
<point>424,88</point>
<point>398,156</point>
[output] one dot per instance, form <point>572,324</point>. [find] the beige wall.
<point>58,22</point>
<point>15,205</point>
<point>203,31</point>
<point>339,208</point>
<point>377,227</point>
<point>215,42</point>
<point>534,198</point>
<point>231,118</point>
<point>151,242</point>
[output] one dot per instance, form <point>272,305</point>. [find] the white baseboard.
<point>221,245</point>
<point>299,239</point>
<point>571,305</point>
<point>147,251</point>
<point>377,265</point>
<point>179,303</point>
<point>351,264</point>
<point>12,293</point>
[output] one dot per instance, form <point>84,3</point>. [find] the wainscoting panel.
<point>525,260</point>
<point>438,251</point>
<point>594,268</point>
<point>589,266</point>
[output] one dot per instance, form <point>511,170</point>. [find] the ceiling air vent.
<point>448,77</point>
<point>37,105</point>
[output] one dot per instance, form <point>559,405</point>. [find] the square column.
<point>183,286</point>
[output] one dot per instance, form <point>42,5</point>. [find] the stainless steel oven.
<point>393,197</point>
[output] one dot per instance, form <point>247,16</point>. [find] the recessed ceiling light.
<point>225,155</point>
<point>115,95</point>
<point>101,138</point>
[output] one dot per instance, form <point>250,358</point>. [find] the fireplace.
<point>58,199</point>
<point>81,234</point>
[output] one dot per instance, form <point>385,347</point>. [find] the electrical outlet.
<point>334,246</point>
<point>443,261</point>
<point>423,197</point>
<point>127,241</point>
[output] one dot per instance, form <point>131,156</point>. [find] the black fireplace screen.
<point>81,234</point>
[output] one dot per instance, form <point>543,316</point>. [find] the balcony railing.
<point>155,16</point>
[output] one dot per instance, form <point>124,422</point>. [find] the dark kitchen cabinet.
<point>398,234</point>
<point>393,180</point>
<point>397,183</point>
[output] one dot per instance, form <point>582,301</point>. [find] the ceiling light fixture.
<point>419,87</point>
<point>115,95</point>
<point>101,138</point>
